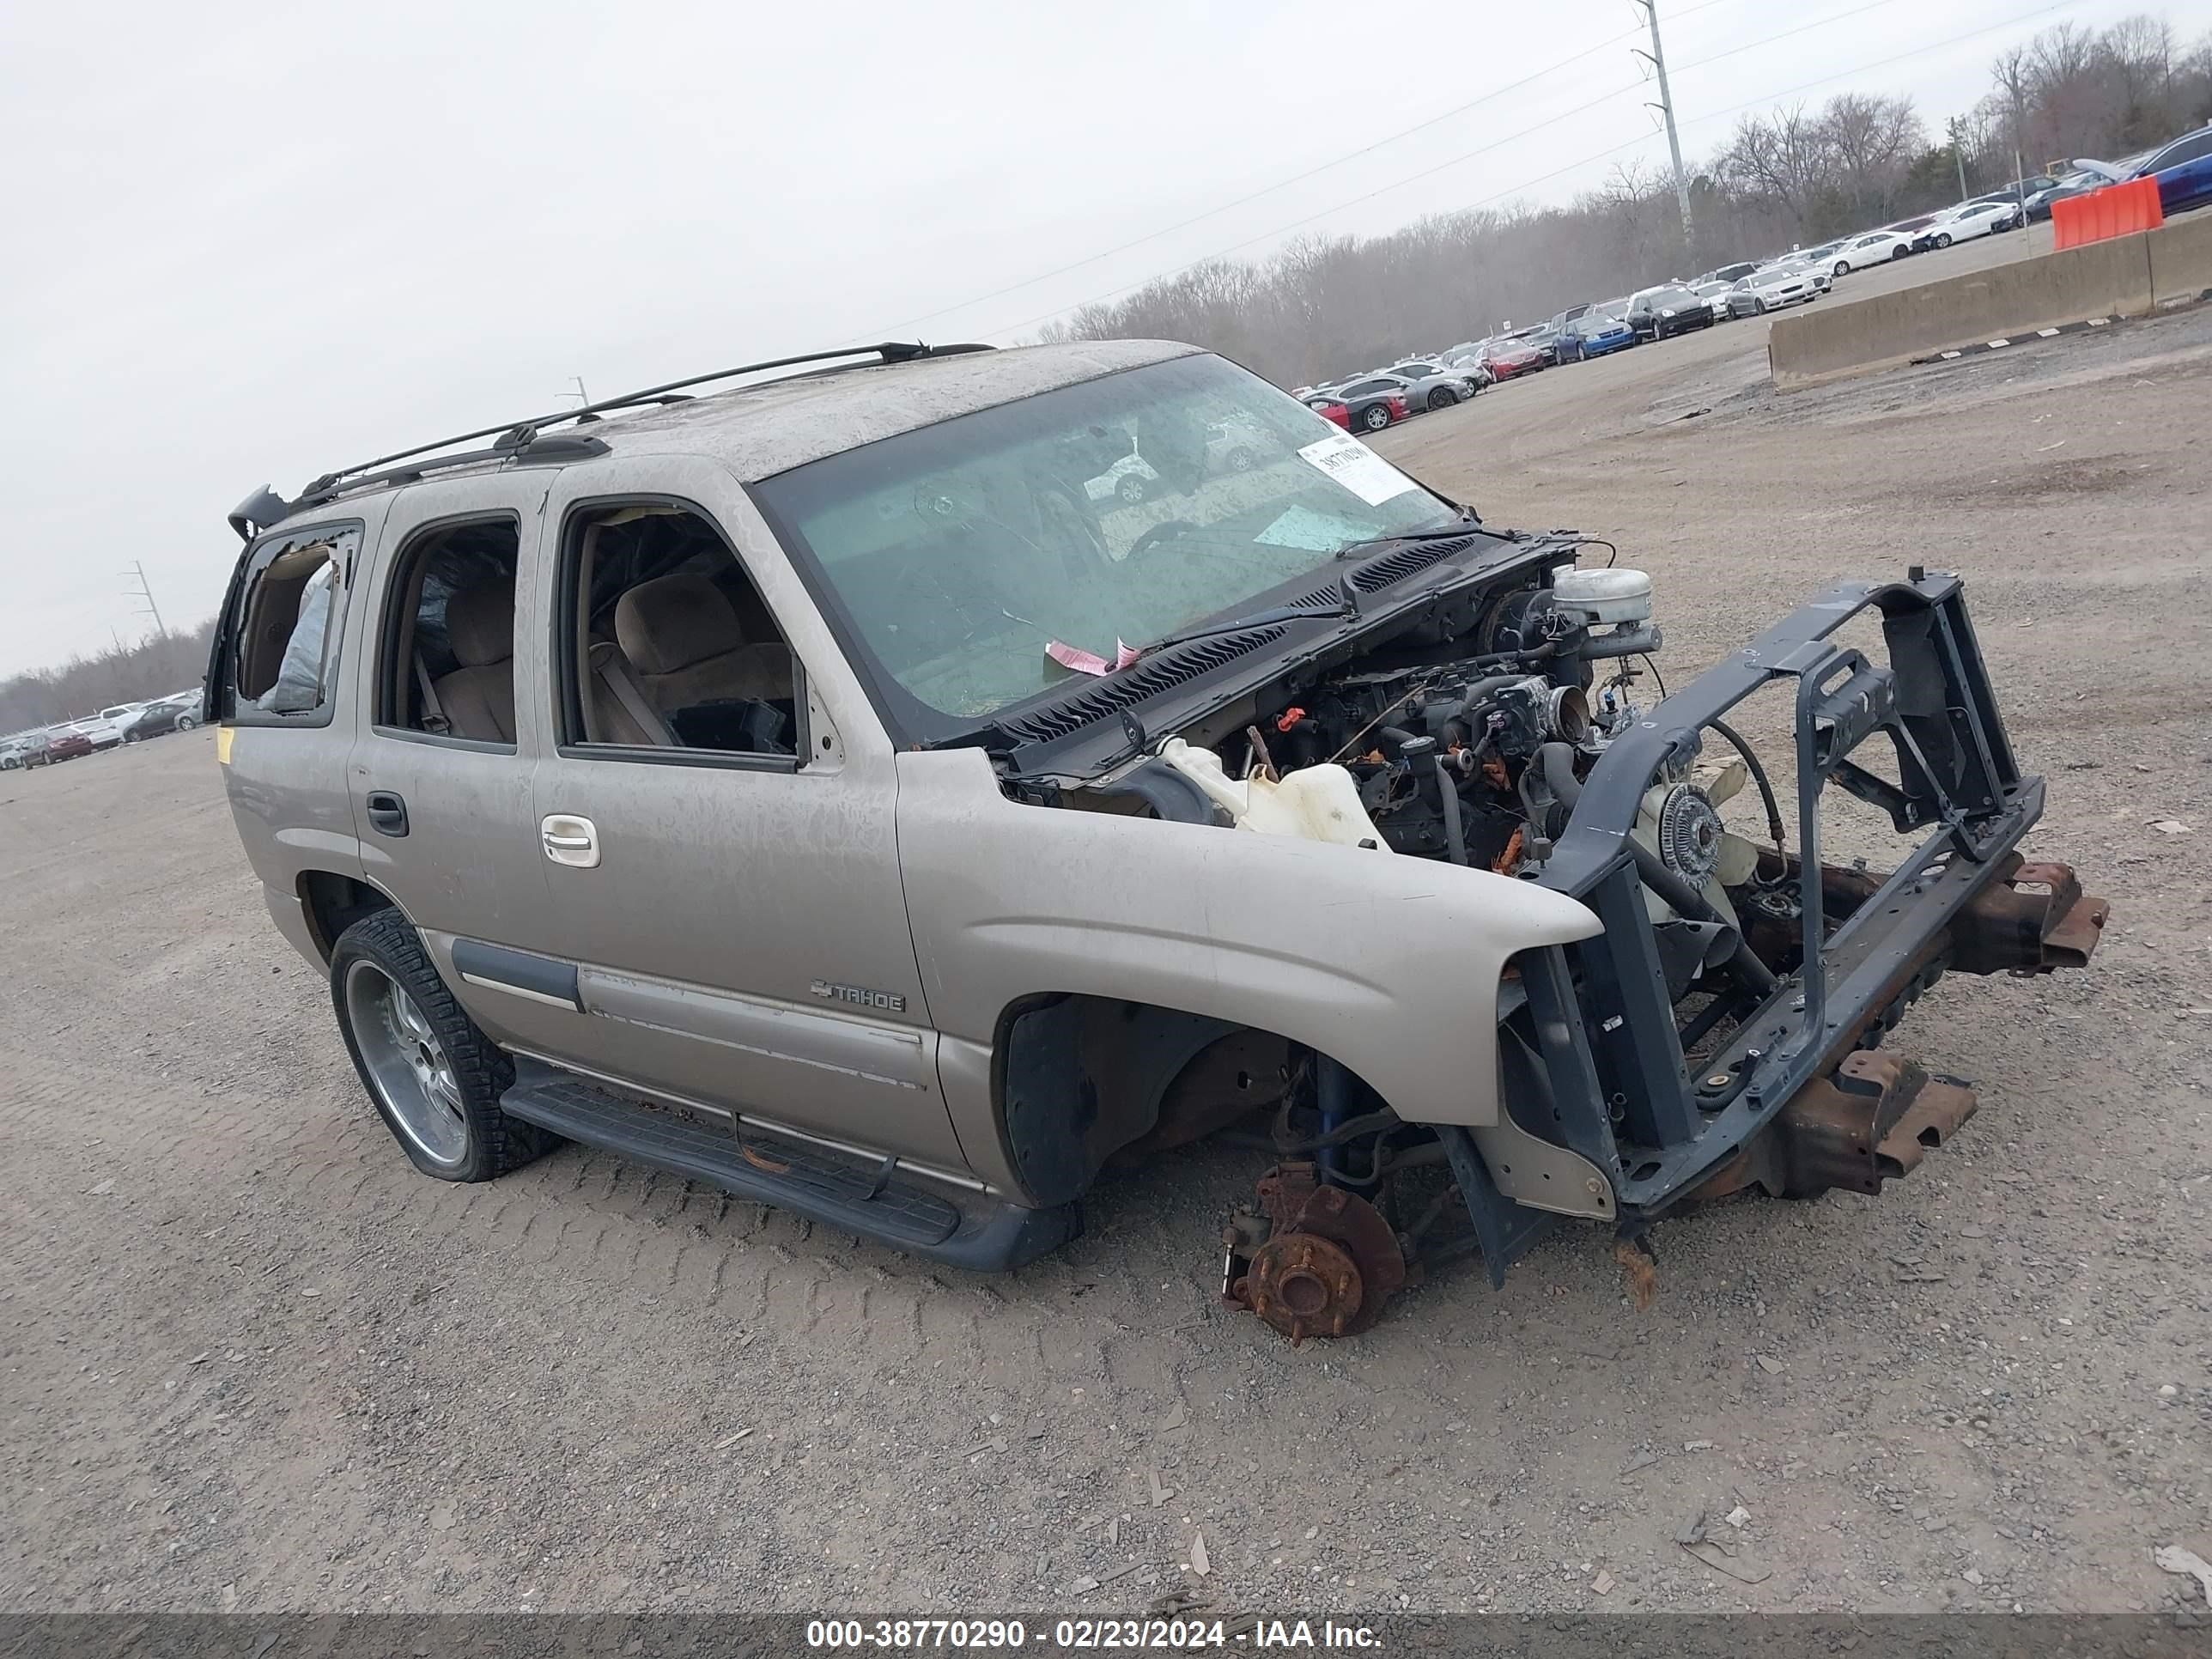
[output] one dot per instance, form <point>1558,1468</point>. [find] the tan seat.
<point>682,636</point>
<point>477,698</point>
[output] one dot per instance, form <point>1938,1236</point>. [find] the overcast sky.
<point>254,242</point>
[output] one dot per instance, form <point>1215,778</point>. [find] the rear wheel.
<point>1131,489</point>
<point>434,1078</point>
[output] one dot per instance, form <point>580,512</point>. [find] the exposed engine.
<point>1475,758</point>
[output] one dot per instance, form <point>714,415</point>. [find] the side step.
<point>989,1234</point>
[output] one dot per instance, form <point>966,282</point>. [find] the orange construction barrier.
<point>2115,210</point>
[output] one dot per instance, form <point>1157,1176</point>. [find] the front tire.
<point>186,722</point>
<point>1441,398</point>
<point>1374,416</point>
<point>1943,241</point>
<point>433,1078</point>
<point>1131,489</point>
<point>1896,254</point>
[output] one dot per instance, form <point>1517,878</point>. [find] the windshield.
<point>1103,514</point>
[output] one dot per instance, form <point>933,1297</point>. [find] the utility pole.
<point>1957,126</point>
<point>145,592</point>
<point>1657,58</point>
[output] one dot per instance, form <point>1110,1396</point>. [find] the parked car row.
<point>1750,288</point>
<point>1380,397</point>
<point>111,727</point>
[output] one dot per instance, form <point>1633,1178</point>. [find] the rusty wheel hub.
<point>1304,1286</point>
<point>1327,1266</point>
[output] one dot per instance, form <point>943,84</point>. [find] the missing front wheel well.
<point>1080,1078</point>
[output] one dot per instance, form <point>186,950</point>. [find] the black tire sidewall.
<point>497,1143</point>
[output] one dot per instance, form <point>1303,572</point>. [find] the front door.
<point>719,850</point>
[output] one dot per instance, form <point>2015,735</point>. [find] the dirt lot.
<point>251,1359</point>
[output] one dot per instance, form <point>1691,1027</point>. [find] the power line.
<point>1543,178</point>
<point>1295,178</point>
<point>1768,40</point>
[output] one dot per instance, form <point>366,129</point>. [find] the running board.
<point>988,1235</point>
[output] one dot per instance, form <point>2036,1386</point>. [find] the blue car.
<point>1592,334</point>
<point>2183,171</point>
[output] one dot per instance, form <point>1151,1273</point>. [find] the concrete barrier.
<point>1830,342</point>
<point>2181,259</point>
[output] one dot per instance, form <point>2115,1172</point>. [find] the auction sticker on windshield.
<point>1358,468</point>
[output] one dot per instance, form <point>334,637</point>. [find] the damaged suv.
<point>818,790</point>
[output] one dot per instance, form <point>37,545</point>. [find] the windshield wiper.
<point>1347,610</point>
<point>1467,524</point>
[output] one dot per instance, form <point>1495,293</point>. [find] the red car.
<point>67,744</point>
<point>1511,358</point>
<point>1366,412</point>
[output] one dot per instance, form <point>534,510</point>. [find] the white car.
<point>1770,291</point>
<point>1129,480</point>
<point>1963,224</point>
<point>1875,247</point>
<point>106,728</point>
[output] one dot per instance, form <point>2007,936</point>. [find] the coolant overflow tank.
<point>1602,596</point>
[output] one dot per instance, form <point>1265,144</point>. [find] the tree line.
<point>125,673</point>
<point>1788,177</point>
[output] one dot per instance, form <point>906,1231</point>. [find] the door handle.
<point>387,813</point>
<point>570,840</point>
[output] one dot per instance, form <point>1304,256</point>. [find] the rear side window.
<point>279,658</point>
<point>2188,149</point>
<point>447,666</point>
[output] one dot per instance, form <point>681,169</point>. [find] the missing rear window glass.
<point>287,638</point>
<point>449,663</point>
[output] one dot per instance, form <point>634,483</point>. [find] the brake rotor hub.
<point>1304,1286</point>
<point>1323,1263</point>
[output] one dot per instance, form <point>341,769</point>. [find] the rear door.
<point>729,896</point>
<point>443,800</point>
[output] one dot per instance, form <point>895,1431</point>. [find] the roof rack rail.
<point>517,439</point>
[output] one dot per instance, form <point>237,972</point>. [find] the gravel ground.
<point>248,1358</point>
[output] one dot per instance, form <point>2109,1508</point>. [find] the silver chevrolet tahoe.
<point>815,789</point>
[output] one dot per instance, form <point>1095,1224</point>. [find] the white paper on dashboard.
<point>1358,468</point>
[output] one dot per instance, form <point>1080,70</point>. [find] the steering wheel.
<point>1159,533</point>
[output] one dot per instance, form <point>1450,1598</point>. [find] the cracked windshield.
<point>993,556</point>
